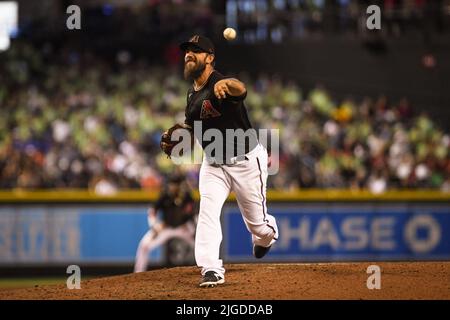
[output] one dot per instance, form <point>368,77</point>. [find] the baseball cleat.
<point>259,251</point>
<point>211,279</point>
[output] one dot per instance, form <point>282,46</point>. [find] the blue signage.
<point>113,234</point>
<point>342,232</point>
<point>308,232</point>
<point>91,234</point>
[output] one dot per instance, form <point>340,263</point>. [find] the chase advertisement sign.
<point>110,234</point>
<point>347,232</point>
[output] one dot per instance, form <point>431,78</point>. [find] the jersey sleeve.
<point>188,198</point>
<point>189,205</point>
<point>237,98</point>
<point>159,203</point>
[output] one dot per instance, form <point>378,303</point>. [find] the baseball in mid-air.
<point>229,34</point>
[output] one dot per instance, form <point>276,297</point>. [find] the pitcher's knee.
<point>263,231</point>
<point>144,245</point>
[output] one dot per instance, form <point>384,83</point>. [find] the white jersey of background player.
<point>178,214</point>
<point>218,103</point>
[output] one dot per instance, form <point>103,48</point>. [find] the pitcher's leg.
<point>214,190</point>
<point>249,183</point>
<point>150,241</point>
<point>141,259</point>
<point>185,233</point>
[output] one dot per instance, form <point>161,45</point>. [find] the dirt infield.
<point>404,280</point>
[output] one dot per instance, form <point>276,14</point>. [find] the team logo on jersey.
<point>208,110</point>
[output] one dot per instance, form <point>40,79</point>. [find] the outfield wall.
<point>73,227</point>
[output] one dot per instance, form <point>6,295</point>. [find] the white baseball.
<point>229,34</point>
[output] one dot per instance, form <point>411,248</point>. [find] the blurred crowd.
<point>255,20</point>
<point>279,20</point>
<point>73,120</point>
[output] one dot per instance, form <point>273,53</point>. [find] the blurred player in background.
<point>177,210</point>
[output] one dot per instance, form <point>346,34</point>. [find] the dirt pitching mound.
<point>404,280</point>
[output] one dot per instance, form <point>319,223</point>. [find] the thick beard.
<point>194,72</point>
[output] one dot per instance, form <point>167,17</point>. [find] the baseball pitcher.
<point>217,103</point>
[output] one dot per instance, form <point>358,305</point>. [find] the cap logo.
<point>194,39</point>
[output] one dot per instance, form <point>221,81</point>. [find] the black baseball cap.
<point>200,42</point>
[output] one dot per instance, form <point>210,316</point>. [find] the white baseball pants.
<point>247,178</point>
<point>152,240</point>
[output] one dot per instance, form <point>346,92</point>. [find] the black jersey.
<point>223,114</point>
<point>175,211</point>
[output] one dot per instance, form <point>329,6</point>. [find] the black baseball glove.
<point>167,144</point>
